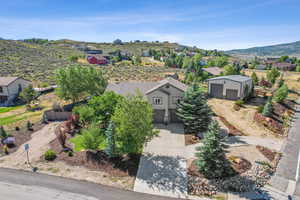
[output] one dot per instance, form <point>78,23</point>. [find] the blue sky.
<point>208,24</point>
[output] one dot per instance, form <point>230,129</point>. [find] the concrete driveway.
<point>163,169</point>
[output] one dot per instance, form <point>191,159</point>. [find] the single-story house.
<point>97,60</point>
<point>213,71</point>
<point>261,67</point>
<point>163,96</point>
<point>284,66</point>
<point>231,87</point>
<point>10,87</point>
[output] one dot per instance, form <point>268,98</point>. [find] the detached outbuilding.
<point>231,87</point>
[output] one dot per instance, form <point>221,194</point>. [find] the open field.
<point>292,79</point>
<point>242,119</point>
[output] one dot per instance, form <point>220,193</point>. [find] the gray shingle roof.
<point>5,81</point>
<point>125,88</point>
<point>213,70</point>
<point>238,78</point>
<point>170,81</point>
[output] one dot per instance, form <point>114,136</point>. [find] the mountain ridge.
<point>292,48</point>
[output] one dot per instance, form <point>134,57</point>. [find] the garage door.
<point>173,117</point>
<point>216,90</point>
<point>231,94</point>
<point>158,116</point>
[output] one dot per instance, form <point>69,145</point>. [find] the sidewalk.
<point>286,173</point>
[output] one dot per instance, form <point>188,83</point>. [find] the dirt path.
<point>38,144</point>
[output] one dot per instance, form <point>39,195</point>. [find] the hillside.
<point>291,49</point>
<point>38,61</point>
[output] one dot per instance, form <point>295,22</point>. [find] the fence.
<point>51,115</point>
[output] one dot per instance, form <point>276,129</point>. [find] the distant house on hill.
<point>213,71</point>
<point>10,87</point>
<point>284,66</point>
<point>97,60</point>
<point>261,67</point>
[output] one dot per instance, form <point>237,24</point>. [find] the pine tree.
<point>211,160</point>
<point>3,133</point>
<point>254,78</point>
<point>110,132</point>
<point>194,111</point>
<point>281,94</point>
<point>267,111</point>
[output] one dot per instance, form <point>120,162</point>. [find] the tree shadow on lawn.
<point>164,173</point>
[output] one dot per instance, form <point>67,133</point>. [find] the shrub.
<point>260,109</point>
<point>29,126</point>
<point>239,102</point>
<point>70,153</point>
<point>267,110</point>
<point>281,94</point>
<point>50,155</point>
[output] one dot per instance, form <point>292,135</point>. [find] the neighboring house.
<point>146,53</point>
<point>10,87</point>
<point>213,71</point>
<point>232,87</point>
<point>261,67</point>
<point>163,96</point>
<point>284,66</point>
<point>96,59</point>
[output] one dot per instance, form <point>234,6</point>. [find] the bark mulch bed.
<point>233,131</point>
<point>191,139</point>
<point>240,166</point>
<point>21,137</point>
<point>271,155</point>
<point>98,160</point>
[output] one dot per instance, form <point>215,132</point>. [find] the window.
<point>3,99</point>
<point>157,101</point>
<point>1,89</point>
<point>176,100</point>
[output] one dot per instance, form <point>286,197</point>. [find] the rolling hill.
<point>290,49</point>
<point>38,61</point>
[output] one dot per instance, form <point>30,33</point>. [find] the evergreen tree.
<point>267,111</point>
<point>281,94</point>
<point>3,133</point>
<point>254,78</point>
<point>272,75</point>
<point>110,133</point>
<point>194,111</point>
<point>211,160</point>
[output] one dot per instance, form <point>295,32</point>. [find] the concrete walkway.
<point>235,141</point>
<point>163,168</point>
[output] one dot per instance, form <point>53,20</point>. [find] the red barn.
<point>97,60</point>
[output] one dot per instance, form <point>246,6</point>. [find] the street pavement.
<point>17,184</point>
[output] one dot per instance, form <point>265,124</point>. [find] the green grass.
<point>15,118</point>
<point>8,109</point>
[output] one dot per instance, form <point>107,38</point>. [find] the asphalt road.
<point>16,185</point>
